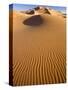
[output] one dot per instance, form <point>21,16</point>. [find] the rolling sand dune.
<point>39,50</point>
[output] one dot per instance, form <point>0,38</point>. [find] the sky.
<point>23,7</point>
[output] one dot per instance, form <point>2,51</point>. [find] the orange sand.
<point>39,52</point>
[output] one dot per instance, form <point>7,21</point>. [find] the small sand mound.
<point>34,21</point>
<point>42,10</point>
<point>64,15</point>
<point>47,11</point>
<point>30,12</point>
<point>37,8</point>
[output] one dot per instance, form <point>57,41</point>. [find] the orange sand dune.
<point>39,50</point>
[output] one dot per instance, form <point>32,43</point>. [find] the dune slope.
<point>39,50</point>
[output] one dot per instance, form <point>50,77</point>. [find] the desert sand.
<point>39,47</point>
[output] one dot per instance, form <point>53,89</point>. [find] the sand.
<point>39,49</point>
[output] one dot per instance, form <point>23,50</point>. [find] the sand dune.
<point>39,50</point>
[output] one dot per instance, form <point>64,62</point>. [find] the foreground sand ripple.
<point>47,68</point>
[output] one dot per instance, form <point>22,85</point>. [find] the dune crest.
<point>43,10</point>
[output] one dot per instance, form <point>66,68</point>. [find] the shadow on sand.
<point>34,21</point>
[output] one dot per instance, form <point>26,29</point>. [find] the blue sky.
<point>22,7</point>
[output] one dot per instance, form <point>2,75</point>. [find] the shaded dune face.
<point>64,15</point>
<point>37,8</point>
<point>33,21</point>
<point>30,12</point>
<point>42,10</point>
<point>47,11</point>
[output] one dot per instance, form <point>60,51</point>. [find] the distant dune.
<point>39,47</point>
